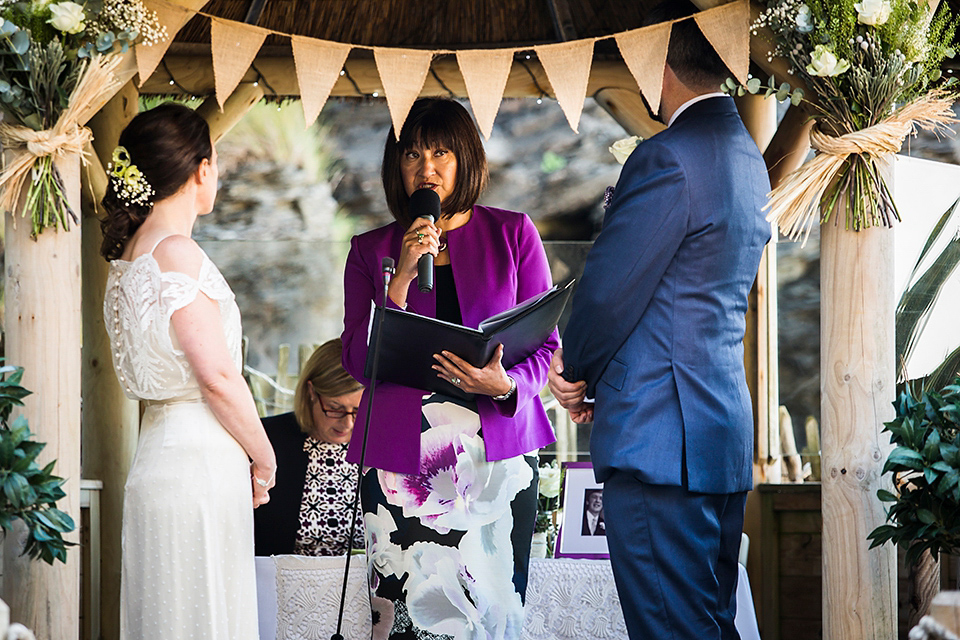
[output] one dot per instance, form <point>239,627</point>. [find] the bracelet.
<point>260,481</point>
<point>513,388</point>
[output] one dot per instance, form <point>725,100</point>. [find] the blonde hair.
<point>324,370</point>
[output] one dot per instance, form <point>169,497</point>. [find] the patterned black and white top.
<point>328,490</point>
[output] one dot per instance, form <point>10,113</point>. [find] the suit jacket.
<point>276,523</point>
<point>657,322</point>
<point>498,261</point>
<point>601,529</point>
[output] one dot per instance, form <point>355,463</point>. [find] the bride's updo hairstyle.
<point>166,144</point>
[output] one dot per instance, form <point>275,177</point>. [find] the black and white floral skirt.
<point>448,549</point>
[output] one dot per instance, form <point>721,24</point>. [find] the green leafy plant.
<point>28,492</point>
<point>924,514</point>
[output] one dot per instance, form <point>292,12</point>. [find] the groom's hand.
<point>570,395</point>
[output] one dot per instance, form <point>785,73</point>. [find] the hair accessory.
<point>127,180</point>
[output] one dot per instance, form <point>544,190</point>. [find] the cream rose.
<point>804,19</point>
<point>825,63</point>
<point>873,12</point>
<point>549,482</point>
<point>67,17</point>
<point>621,149</point>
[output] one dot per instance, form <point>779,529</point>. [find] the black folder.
<point>409,340</point>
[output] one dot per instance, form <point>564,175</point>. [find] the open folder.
<point>409,340</point>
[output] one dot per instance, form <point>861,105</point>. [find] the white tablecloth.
<point>566,598</point>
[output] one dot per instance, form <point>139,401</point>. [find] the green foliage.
<point>28,492</point>
<point>924,514</point>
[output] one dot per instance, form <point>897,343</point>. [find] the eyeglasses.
<point>336,414</point>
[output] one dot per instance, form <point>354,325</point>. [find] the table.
<point>566,598</point>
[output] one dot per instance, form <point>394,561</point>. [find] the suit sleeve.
<point>642,231</point>
<point>533,277</point>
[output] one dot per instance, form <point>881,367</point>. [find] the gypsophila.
<point>132,19</point>
<point>128,181</point>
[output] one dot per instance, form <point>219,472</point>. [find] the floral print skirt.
<point>448,549</point>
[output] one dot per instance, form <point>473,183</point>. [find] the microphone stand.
<point>388,270</point>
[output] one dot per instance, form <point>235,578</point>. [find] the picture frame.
<point>582,532</point>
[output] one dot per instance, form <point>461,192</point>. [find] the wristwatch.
<point>513,388</point>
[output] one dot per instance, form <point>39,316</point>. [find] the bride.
<point>188,569</point>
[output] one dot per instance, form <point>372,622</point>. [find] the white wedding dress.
<point>188,568</point>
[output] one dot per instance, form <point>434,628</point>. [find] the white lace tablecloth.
<point>566,598</point>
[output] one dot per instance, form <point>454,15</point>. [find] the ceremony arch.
<point>234,53</point>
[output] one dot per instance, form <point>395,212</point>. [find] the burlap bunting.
<point>485,71</point>
<point>171,16</point>
<point>318,64</point>
<point>645,52</point>
<point>485,74</point>
<point>234,46</point>
<point>567,66</point>
<point>728,29</point>
<point>402,73</point>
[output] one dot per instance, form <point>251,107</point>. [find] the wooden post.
<point>234,108</point>
<point>857,389</point>
<point>111,421</point>
<point>42,287</point>
<point>626,107</point>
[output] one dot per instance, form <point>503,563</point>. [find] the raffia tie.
<point>795,203</point>
<point>67,136</point>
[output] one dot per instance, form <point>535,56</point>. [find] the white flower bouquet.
<point>56,63</point>
<point>872,73</point>
<point>548,496</point>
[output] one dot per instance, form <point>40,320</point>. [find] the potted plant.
<point>27,492</point>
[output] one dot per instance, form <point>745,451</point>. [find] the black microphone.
<point>425,203</point>
<point>388,270</point>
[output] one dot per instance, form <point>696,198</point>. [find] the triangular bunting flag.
<point>234,45</point>
<point>645,52</point>
<point>568,68</point>
<point>485,73</point>
<point>402,74</point>
<point>728,29</point>
<point>171,16</point>
<point>318,64</point>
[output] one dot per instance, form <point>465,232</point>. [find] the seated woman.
<point>309,510</point>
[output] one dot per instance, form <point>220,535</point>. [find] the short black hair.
<point>443,122</point>
<point>690,55</point>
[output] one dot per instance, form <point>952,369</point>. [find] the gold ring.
<point>419,238</point>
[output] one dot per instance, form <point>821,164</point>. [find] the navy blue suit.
<point>656,331</point>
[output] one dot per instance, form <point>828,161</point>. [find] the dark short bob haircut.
<point>436,122</point>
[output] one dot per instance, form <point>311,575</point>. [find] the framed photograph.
<point>583,532</point>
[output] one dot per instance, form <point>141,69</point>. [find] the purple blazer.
<point>498,261</point>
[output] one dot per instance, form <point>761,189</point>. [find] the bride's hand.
<point>261,492</point>
<point>421,238</point>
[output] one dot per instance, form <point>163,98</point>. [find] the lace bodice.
<point>137,307</point>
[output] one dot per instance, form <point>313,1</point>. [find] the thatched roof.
<point>439,24</point>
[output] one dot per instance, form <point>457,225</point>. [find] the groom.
<point>653,350</point>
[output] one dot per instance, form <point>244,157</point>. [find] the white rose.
<point>621,149</point>
<point>549,482</point>
<point>67,17</point>
<point>824,63</point>
<point>872,12</point>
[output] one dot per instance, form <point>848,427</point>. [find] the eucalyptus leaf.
<point>753,85</point>
<point>20,42</point>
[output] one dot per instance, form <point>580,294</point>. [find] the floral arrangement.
<point>548,497</point>
<point>56,70</point>
<point>873,70</point>
<point>924,513</point>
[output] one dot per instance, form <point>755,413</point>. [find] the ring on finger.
<point>420,237</point>
<point>455,380</point>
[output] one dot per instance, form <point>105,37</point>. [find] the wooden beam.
<point>790,145</point>
<point>234,108</point>
<point>42,333</point>
<point>195,73</point>
<point>626,107</point>
<point>562,20</point>
<point>110,420</point>
<point>254,10</point>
